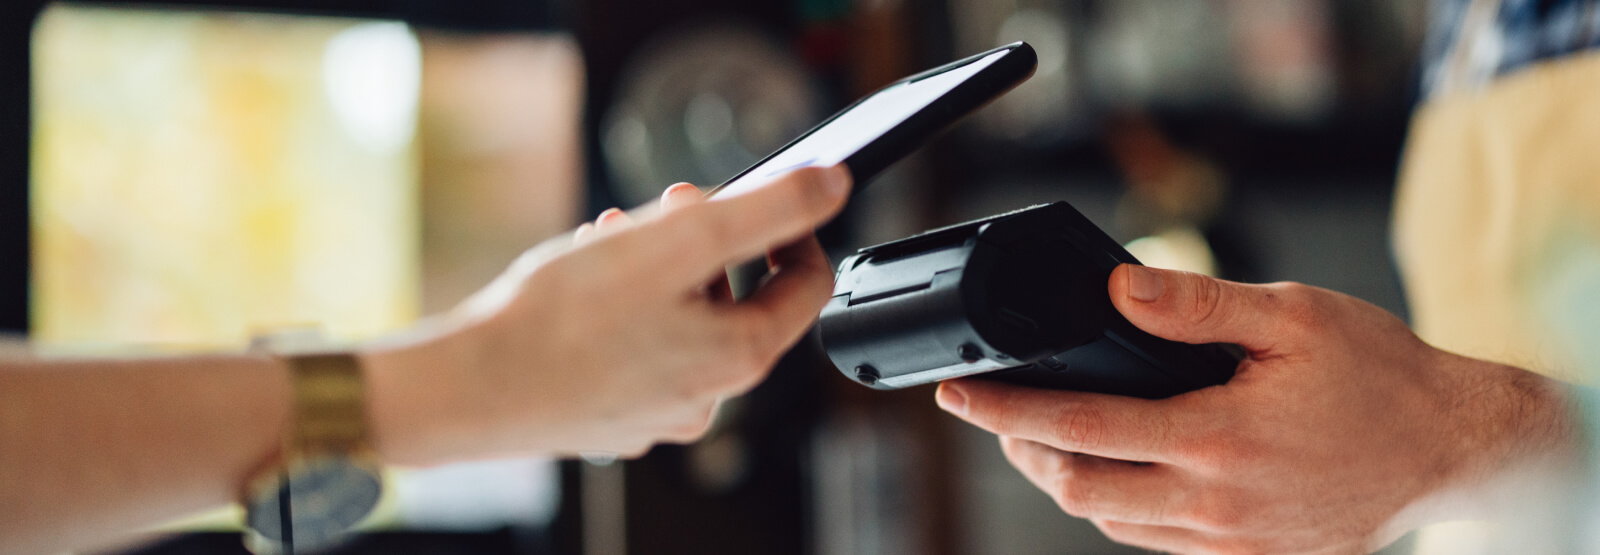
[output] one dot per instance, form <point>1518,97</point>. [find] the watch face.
<point>326,496</point>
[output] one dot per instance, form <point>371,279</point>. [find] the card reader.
<point>1019,297</point>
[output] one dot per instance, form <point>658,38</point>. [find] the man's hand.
<point>618,337</point>
<point>1340,431</point>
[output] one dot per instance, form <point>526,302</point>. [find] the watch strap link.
<point>329,404</point>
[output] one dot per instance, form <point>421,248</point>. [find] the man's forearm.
<point>92,448</point>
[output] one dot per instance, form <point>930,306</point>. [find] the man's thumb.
<point>1192,308</point>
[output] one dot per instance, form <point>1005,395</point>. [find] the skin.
<point>613,340</point>
<point>1340,431</point>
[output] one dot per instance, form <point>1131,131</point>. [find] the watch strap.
<point>329,403</point>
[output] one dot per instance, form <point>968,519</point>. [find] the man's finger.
<point>682,247</point>
<point>1109,426</point>
<point>1193,308</point>
<point>1086,486</point>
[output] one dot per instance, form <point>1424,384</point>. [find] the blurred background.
<point>185,175</point>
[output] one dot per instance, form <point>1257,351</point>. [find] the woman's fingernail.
<point>1145,284</point>
<point>678,196</point>
<point>952,399</point>
<point>677,188</point>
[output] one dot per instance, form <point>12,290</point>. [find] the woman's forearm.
<point>607,344</point>
<point>93,448</point>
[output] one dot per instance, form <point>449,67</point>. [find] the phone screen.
<point>858,125</point>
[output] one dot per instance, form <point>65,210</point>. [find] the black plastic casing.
<point>1019,297</point>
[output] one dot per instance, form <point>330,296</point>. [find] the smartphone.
<point>885,126</point>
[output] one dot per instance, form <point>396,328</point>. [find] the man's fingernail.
<point>837,180</point>
<point>1145,284</point>
<point>952,399</point>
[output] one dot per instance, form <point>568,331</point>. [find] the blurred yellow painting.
<point>202,177</point>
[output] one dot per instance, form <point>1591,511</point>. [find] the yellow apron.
<point>1497,232</point>
<point>1497,220</point>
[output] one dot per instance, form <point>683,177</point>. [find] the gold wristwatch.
<point>326,479</point>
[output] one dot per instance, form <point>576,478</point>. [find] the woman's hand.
<point>617,338</point>
<point>1340,431</point>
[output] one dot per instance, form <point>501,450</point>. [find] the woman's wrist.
<point>415,402</point>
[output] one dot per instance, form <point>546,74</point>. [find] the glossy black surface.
<point>1019,297</point>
